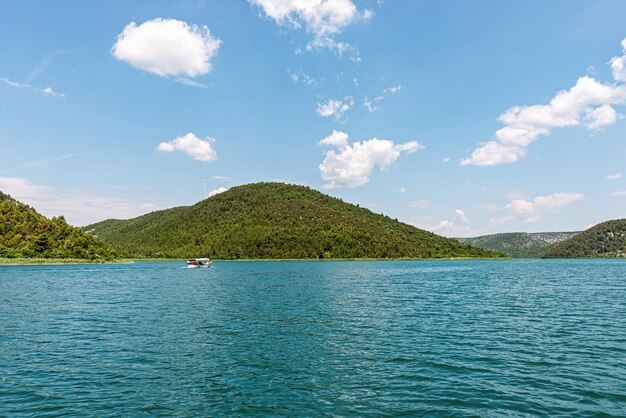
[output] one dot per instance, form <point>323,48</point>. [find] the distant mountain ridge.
<point>607,239</point>
<point>519,244</point>
<point>24,233</point>
<point>273,221</point>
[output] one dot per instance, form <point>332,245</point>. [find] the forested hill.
<point>26,233</point>
<point>519,244</point>
<point>274,220</point>
<point>607,239</point>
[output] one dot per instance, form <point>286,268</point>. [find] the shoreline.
<point>57,261</point>
<point>60,262</point>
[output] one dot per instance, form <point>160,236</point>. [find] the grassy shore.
<point>61,261</point>
<point>53,261</point>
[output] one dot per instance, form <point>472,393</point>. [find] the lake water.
<point>489,338</point>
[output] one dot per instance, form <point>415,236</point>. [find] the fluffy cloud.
<point>541,205</point>
<point>167,47</point>
<point>336,138</point>
<point>588,103</point>
<point>457,226</point>
<point>618,64</point>
<point>79,208</point>
<point>322,18</point>
<point>352,165</point>
<point>601,117</point>
<point>614,176</point>
<point>216,191</point>
<point>190,144</point>
<point>335,107</point>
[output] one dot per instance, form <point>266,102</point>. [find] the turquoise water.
<point>488,338</point>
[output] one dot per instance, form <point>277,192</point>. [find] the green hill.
<point>519,244</point>
<point>24,233</point>
<point>274,220</point>
<point>607,239</point>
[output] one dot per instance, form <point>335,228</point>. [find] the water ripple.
<point>449,338</point>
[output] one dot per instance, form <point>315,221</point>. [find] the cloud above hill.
<point>589,103</point>
<point>353,165</point>
<point>531,211</point>
<point>190,144</point>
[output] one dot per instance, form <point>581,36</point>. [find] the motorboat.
<point>194,263</point>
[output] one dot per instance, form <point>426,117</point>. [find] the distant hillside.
<point>607,239</point>
<point>274,220</point>
<point>519,244</point>
<point>26,233</point>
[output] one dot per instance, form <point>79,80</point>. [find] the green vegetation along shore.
<point>275,221</point>
<point>519,244</point>
<point>24,233</point>
<point>607,239</point>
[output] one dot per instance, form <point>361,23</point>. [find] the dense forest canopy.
<point>274,220</point>
<point>607,239</point>
<point>26,233</point>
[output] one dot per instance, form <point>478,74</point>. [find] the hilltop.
<point>519,244</point>
<point>273,221</point>
<point>24,233</point>
<point>607,239</point>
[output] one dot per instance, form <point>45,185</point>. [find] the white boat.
<point>195,263</point>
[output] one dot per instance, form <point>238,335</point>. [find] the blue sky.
<point>463,118</point>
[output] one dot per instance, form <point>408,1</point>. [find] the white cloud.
<point>190,144</point>
<point>588,103</point>
<point>79,208</point>
<point>336,138</point>
<point>501,220</point>
<point>167,47</point>
<point>352,165</point>
<point>216,191</point>
<point>614,176</point>
<point>618,64</point>
<point>45,162</point>
<point>335,107</point>
<point>48,91</point>
<point>301,77</point>
<point>191,83</point>
<point>223,178</point>
<point>619,193</point>
<point>457,226</point>
<point>601,117</point>
<point>323,18</point>
<point>370,106</point>
<point>14,84</point>
<point>394,89</point>
<point>446,160</point>
<point>542,205</point>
